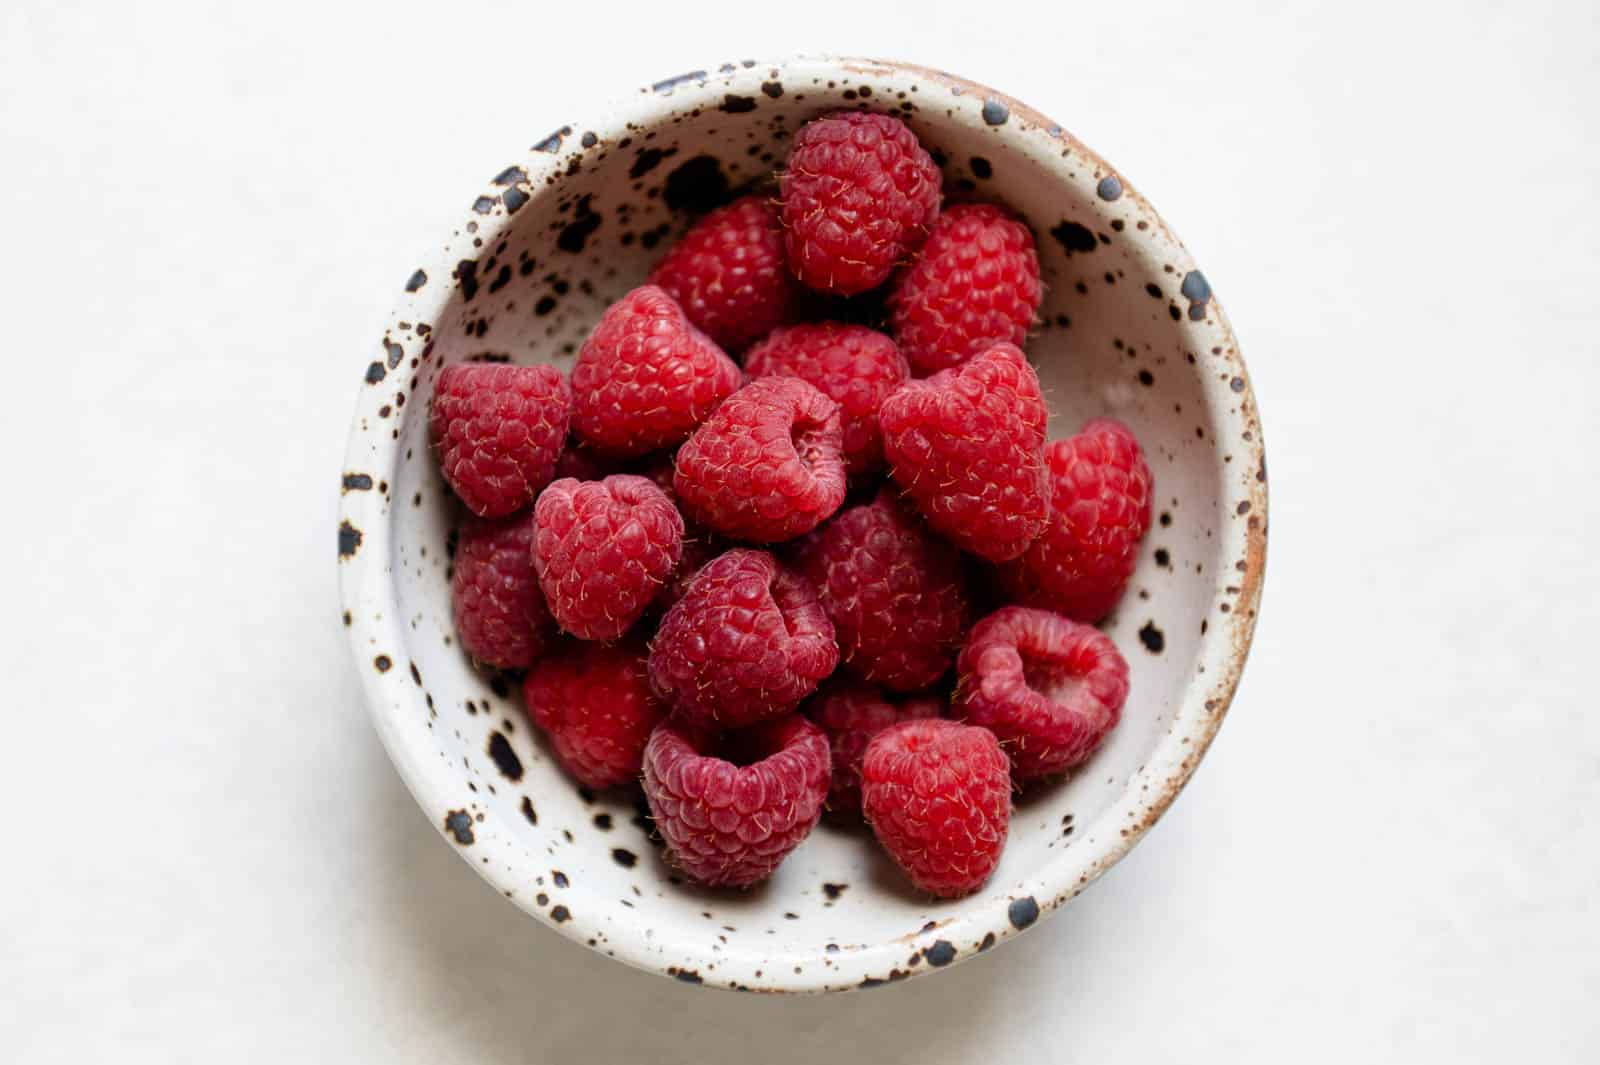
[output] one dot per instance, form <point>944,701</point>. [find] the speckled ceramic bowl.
<point>1129,328</point>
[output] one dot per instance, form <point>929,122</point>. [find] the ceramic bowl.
<point>1129,328</point>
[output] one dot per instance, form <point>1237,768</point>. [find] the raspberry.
<point>967,445</point>
<point>699,547</point>
<point>766,466</point>
<point>1099,511</point>
<point>894,593</point>
<point>747,642</point>
<point>646,377</point>
<point>602,550</point>
<point>976,282</point>
<point>852,365</point>
<point>499,430</point>
<point>500,612</point>
<point>580,463</point>
<point>728,275</point>
<point>732,808</point>
<point>859,194</point>
<point>593,701</point>
<point>851,714</point>
<point>938,797</point>
<point>1048,687</point>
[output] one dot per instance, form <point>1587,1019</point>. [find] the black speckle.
<point>1154,290</point>
<point>789,915</point>
<point>737,105</point>
<point>1163,558</point>
<point>484,204</point>
<point>528,811</point>
<point>417,280</point>
<point>394,351</point>
<point>602,822</point>
<point>833,891</point>
<point>666,86</point>
<point>773,89</point>
<point>624,857</point>
<point>697,184</point>
<point>560,914</point>
<point>1165,519</point>
<point>1110,188</point>
<point>1023,911</point>
<point>1195,288</point>
<point>542,899</point>
<point>988,941</point>
<point>514,199</point>
<point>383,663</point>
<point>589,139</point>
<point>501,279</point>
<point>545,305</point>
<point>575,234</point>
<point>505,759</point>
<point>459,824</point>
<point>943,952</point>
<point>981,167</point>
<point>1237,384</point>
<point>586,793</point>
<point>1152,638</point>
<point>467,276</point>
<point>1146,378</point>
<point>376,373</point>
<point>355,482</point>
<point>1074,238</point>
<point>559,878</point>
<point>349,539</point>
<point>995,112</point>
<point>416,674</point>
<point>688,976</point>
<point>648,159</point>
<point>511,175</point>
<point>552,143</point>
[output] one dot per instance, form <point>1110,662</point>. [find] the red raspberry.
<point>646,377</point>
<point>967,445</point>
<point>500,612</point>
<point>747,642</point>
<point>499,430</point>
<point>1099,511</point>
<point>766,466</point>
<point>699,547</point>
<point>852,365</point>
<point>851,713</point>
<point>580,463</point>
<point>727,273</point>
<point>859,194</point>
<point>1049,687</point>
<point>594,702</point>
<point>938,797</point>
<point>602,550</point>
<point>893,591</point>
<point>976,282</point>
<point>732,808</point>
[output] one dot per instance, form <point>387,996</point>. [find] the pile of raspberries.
<point>771,563</point>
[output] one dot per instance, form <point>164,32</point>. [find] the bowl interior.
<point>1128,329</point>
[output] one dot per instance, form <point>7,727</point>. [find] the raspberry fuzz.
<point>595,704</point>
<point>967,445</point>
<point>747,642</point>
<point>732,808</point>
<point>852,365</point>
<point>766,466</point>
<point>603,549</point>
<point>499,430</point>
<point>938,796</point>
<point>1048,687</point>
<point>727,273</point>
<point>859,193</point>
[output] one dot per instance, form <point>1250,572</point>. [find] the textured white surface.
<point>1387,855</point>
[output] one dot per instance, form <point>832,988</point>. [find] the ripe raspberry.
<point>938,797</point>
<point>967,445</point>
<point>500,613</point>
<point>975,282</point>
<point>699,547</point>
<point>1099,511</point>
<point>1048,687</point>
<point>893,591</point>
<point>580,463</point>
<point>766,466</point>
<point>595,704</point>
<point>727,273</point>
<point>646,377</point>
<point>747,642</point>
<point>732,808</point>
<point>499,430</point>
<point>603,549</point>
<point>859,194</point>
<point>852,365</point>
<point>851,713</point>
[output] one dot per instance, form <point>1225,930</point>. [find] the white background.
<point>1391,852</point>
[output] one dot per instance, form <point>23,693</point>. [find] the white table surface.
<point>1390,853</point>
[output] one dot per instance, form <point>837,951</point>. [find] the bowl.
<point>1129,327</point>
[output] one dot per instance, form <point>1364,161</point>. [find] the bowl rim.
<point>377,633</point>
